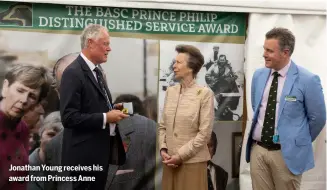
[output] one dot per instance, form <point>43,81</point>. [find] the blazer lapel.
<point>290,79</point>
<point>126,129</point>
<point>109,94</point>
<point>261,87</point>
<point>111,174</point>
<point>89,73</point>
<point>105,83</point>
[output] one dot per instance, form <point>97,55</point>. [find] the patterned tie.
<point>102,86</point>
<point>268,129</point>
<point>210,184</point>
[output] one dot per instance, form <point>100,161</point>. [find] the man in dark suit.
<point>53,148</point>
<point>139,138</point>
<point>217,176</point>
<point>86,109</point>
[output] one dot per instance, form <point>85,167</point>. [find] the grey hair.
<point>91,31</point>
<point>51,121</point>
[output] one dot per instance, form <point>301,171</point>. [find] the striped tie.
<point>102,86</point>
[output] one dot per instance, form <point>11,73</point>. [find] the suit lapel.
<point>111,174</point>
<point>108,92</point>
<point>95,83</point>
<point>126,129</point>
<point>290,79</point>
<point>89,74</point>
<point>105,83</point>
<point>261,87</point>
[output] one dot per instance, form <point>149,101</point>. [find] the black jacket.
<point>82,104</point>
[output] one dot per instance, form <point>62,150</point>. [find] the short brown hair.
<point>285,37</point>
<point>195,60</point>
<point>31,76</point>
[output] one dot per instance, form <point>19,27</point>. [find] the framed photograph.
<point>236,153</point>
<point>222,72</point>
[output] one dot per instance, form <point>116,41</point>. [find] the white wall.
<point>223,156</point>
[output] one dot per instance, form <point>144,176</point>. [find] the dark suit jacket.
<point>82,104</point>
<point>53,158</point>
<point>139,134</point>
<point>221,176</point>
<point>34,160</point>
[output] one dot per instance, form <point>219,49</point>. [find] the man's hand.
<point>118,106</point>
<point>114,116</point>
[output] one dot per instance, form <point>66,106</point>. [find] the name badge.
<point>275,138</point>
<point>290,98</point>
<point>128,108</point>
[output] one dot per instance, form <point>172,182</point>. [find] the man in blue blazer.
<point>289,113</point>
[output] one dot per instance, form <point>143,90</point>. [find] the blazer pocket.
<point>125,177</point>
<point>293,109</point>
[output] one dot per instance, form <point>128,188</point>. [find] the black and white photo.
<point>222,72</point>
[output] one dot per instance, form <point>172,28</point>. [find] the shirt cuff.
<point>112,125</point>
<point>112,129</point>
<point>104,121</point>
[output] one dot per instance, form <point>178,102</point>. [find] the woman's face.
<point>18,99</point>
<point>181,68</point>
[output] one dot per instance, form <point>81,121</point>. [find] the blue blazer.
<point>299,122</point>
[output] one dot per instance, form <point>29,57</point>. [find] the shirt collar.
<point>283,71</point>
<point>88,62</point>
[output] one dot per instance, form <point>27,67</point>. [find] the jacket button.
<point>175,134</point>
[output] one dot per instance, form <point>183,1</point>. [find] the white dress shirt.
<point>92,66</point>
<point>262,110</point>
<point>212,175</point>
